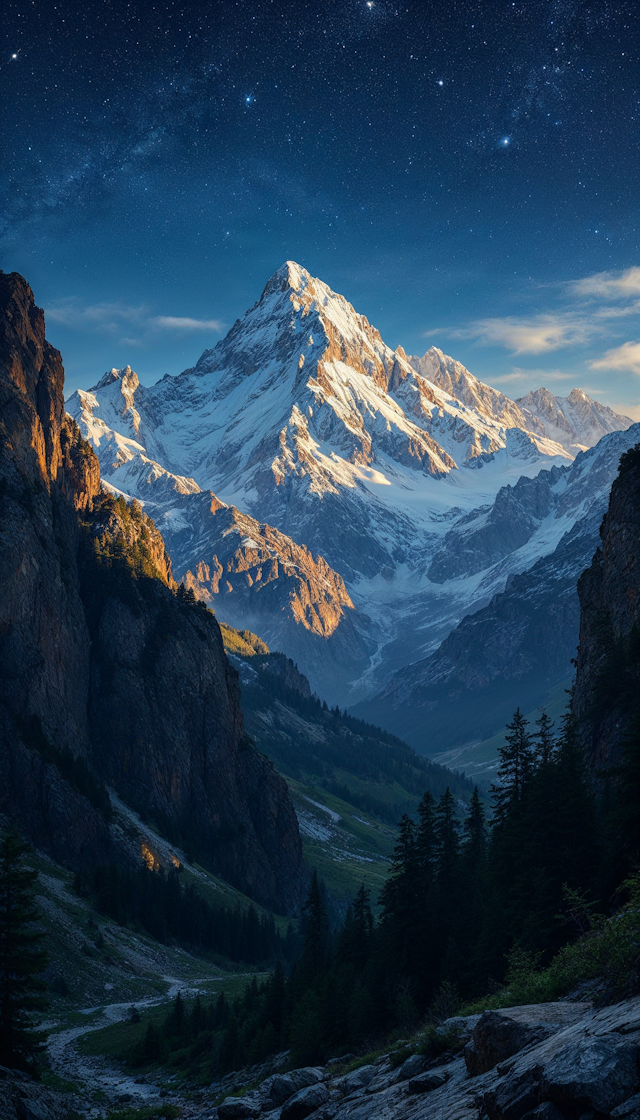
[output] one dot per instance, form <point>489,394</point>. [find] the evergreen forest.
<point>516,901</point>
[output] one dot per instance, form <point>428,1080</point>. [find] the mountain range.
<point>350,504</point>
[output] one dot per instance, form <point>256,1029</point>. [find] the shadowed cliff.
<point>607,688</point>
<point>106,675</point>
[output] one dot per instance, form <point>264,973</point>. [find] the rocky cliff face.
<point>522,642</point>
<point>100,659</point>
<point>576,421</point>
<point>608,666</point>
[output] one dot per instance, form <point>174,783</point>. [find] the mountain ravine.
<point>106,675</point>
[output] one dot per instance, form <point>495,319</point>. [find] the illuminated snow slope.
<point>304,419</point>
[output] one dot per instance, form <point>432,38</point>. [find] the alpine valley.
<point>384,520</point>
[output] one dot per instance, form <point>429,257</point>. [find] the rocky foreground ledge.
<point>555,1061</point>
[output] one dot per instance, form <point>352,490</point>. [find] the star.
<point>14,56</point>
<point>440,82</point>
<point>370,4</point>
<point>506,140</point>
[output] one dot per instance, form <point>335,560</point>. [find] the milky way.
<point>438,163</point>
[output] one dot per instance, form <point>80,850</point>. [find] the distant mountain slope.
<point>518,647</point>
<point>452,376</point>
<point>305,421</point>
<point>350,781</point>
<point>576,421</point>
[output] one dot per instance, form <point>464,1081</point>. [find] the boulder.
<point>514,1096</point>
<point>501,1034</point>
<point>412,1067</point>
<point>628,1110</point>
<point>238,1108</point>
<point>496,1037</point>
<point>305,1102</point>
<point>359,1079</point>
<point>281,1086</point>
<point>599,1072</point>
<point>426,1082</point>
<point>545,1111</point>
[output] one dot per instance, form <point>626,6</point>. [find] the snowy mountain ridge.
<point>379,465</point>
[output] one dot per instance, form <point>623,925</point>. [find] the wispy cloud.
<point>518,375</point>
<point>536,335</point>
<point>608,285</point>
<point>625,358</point>
<point>590,308</point>
<point>176,323</point>
<point>137,323</point>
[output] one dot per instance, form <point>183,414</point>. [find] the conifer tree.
<point>447,837</point>
<point>316,950</point>
<point>21,960</point>
<point>475,834</point>
<point>544,743</point>
<point>516,762</point>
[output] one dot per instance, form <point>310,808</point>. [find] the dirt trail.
<point>97,1073</point>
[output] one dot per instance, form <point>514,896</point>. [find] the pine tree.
<point>516,763</point>
<point>447,837</point>
<point>544,743</point>
<point>21,961</point>
<point>316,950</point>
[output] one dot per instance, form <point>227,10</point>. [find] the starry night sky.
<point>467,174</point>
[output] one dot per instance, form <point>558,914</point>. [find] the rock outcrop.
<point>608,665</point>
<point>519,646</point>
<point>557,1061</point>
<point>101,661</point>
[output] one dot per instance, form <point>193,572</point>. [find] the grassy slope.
<point>479,760</point>
<point>361,779</point>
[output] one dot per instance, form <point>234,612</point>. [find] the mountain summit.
<point>334,458</point>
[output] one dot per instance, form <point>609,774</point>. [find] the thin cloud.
<point>176,323</point>
<point>537,335</point>
<point>608,285</point>
<point>537,375</point>
<point>625,358</point>
<point>113,318</point>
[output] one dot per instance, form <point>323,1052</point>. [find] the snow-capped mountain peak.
<point>576,421</point>
<point>306,421</point>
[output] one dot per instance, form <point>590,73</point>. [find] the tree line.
<point>177,913</point>
<point>461,895</point>
<point>464,894</point>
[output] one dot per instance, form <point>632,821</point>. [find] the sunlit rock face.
<point>98,655</point>
<point>423,489</point>
<point>576,421</point>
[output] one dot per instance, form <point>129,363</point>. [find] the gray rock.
<point>545,1111</point>
<point>359,1079</point>
<point>238,1108</point>
<point>628,1110</point>
<point>463,1025</point>
<point>500,1034</point>
<point>600,1072</point>
<point>496,1037</point>
<point>281,1086</point>
<point>412,1067</point>
<point>383,1081</point>
<point>305,1102</point>
<point>426,1082</point>
<point>514,1096</point>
